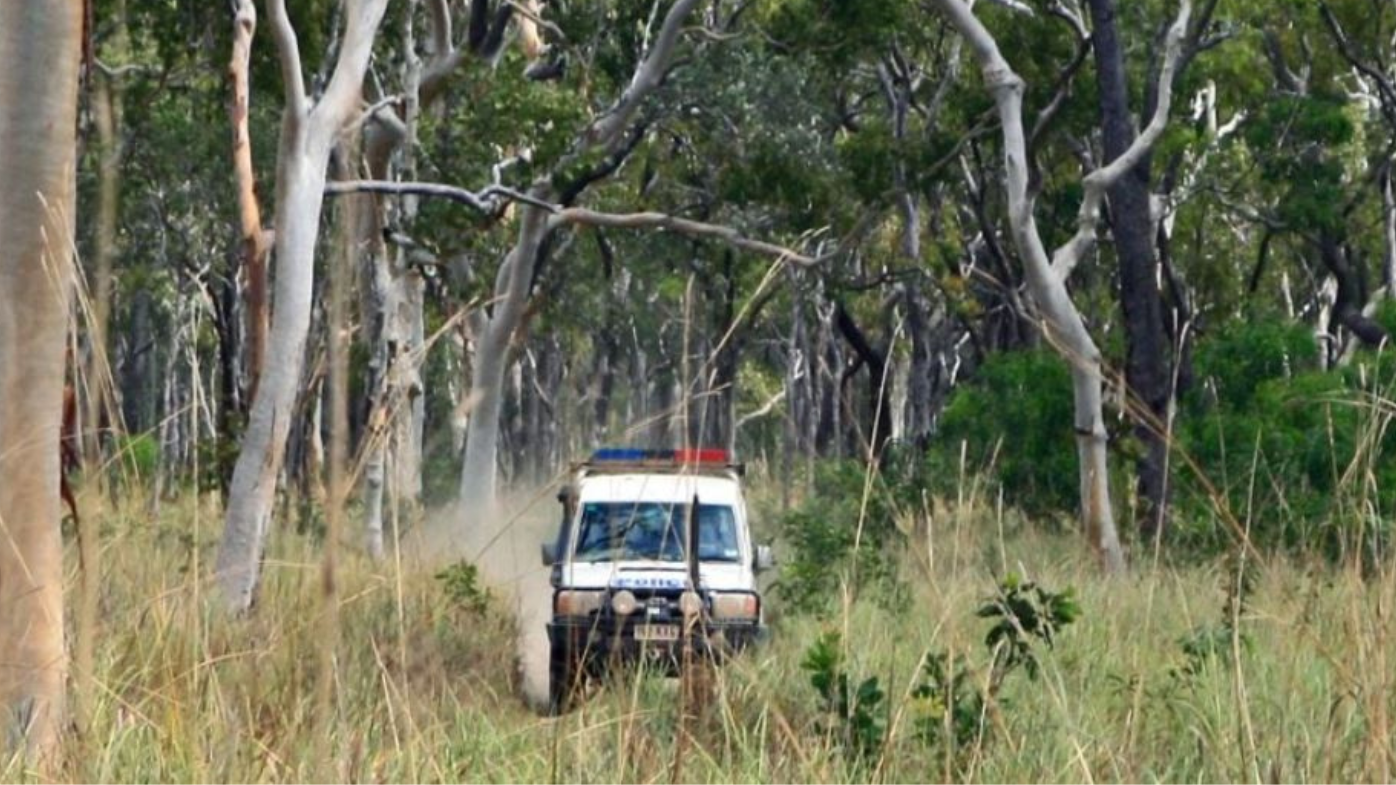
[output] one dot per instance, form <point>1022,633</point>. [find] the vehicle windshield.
<point>621,531</point>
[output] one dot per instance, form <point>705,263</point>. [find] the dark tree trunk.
<point>1352,293</point>
<point>1141,302</point>
<point>826,368</point>
<point>137,395</point>
<point>227,321</point>
<point>879,407</point>
<point>921,385</point>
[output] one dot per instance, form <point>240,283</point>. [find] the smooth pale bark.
<point>480,470</point>
<point>1046,278</point>
<point>40,44</point>
<point>308,134</point>
<point>394,300</point>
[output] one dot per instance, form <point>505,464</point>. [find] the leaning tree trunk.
<point>40,43</point>
<point>308,135</point>
<point>1062,323</point>
<point>480,470</point>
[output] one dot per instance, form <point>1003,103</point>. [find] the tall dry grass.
<point>425,689</point>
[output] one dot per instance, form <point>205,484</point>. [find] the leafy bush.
<point>858,715</point>
<point>461,584</point>
<point>821,534</point>
<point>139,454</point>
<point>1300,454</point>
<point>1015,420</point>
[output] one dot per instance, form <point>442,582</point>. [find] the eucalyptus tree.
<point>309,132</point>
<point>393,304</point>
<point>1364,34</point>
<point>602,138</point>
<point>40,49</point>
<point>1047,276</point>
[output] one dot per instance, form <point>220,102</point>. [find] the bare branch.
<point>439,17</point>
<point>766,408</point>
<point>1384,86</point>
<point>1015,5</point>
<point>116,71</point>
<point>1096,183</point>
<point>532,15</point>
<point>685,226</point>
<point>486,201</point>
<point>342,94</point>
<point>606,130</point>
<point>290,51</point>
<point>1062,88</point>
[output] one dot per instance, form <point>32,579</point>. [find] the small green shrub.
<point>1025,614</point>
<point>461,584</point>
<point>948,710</point>
<point>138,455</point>
<point>859,715</point>
<point>821,534</point>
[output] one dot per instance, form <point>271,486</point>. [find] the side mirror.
<point>548,551</point>
<point>765,558</point>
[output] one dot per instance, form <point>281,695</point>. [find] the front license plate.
<point>657,632</point>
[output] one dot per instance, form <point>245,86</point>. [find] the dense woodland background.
<point>859,134</point>
<point>831,235</point>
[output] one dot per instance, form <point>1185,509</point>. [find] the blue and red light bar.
<point>705,455</point>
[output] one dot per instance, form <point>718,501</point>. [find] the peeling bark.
<point>253,248</point>
<point>308,135</point>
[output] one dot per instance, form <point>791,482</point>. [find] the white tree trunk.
<point>39,54</point>
<point>479,471</point>
<point>307,136</point>
<point>1062,324</point>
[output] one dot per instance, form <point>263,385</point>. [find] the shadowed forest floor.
<point>1151,683</point>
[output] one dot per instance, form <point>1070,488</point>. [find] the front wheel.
<point>564,680</point>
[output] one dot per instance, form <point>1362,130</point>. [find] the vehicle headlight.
<point>691,603</point>
<point>735,606</point>
<point>577,603</point>
<point>623,603</point>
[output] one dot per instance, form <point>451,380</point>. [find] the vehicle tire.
<point>564,678</point>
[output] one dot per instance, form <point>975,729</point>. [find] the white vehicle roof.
<point>660,487</point>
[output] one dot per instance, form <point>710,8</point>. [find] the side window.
<point>717,533</point>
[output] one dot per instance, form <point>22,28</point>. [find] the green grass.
<point>425,688</point>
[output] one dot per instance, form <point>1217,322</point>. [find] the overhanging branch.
<point>685,226</point>
<point>488,200</point>
<point>1096,183</point>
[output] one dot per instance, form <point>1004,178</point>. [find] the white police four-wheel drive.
<point>654,558</point>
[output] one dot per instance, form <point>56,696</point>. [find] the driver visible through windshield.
<point>624,531</point>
